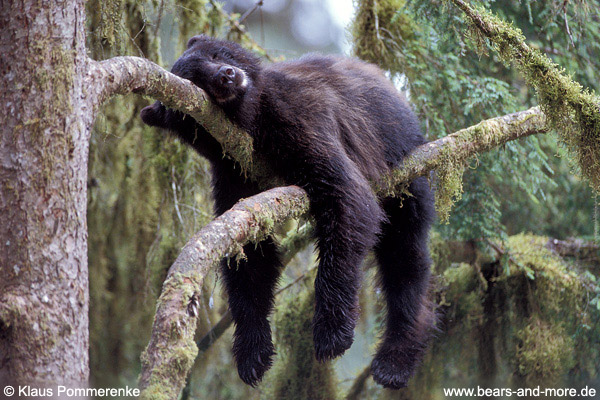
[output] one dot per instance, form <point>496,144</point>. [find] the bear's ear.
<point>195,39</point>
<point>154,115</point>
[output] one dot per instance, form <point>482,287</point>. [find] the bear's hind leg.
<point>404,264</point>
<point>250,284</point>
<point>348,218</point>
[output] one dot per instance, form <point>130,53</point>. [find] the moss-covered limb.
<point>169,356</point>
<point>249,220</point>
<point>571,110</point>
<point>576,248</point>
<point>122,75</point>
<point>466,143</point>
<point>449,154</point>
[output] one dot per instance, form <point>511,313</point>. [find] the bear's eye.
<point>226,54</point>
<point>214,56</point>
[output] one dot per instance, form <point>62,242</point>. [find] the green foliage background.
<point>516,317</point>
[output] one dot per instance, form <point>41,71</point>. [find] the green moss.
<point>380,30</point>
<point>536,318</point>
<point>297,374</point>
<point>463,293</point>
<point>440,253</point>
<point>453,159</point>
<point>552,312</point>
<point>106,25</point>
<point>198,16</point>
<point>448,183</point>
<point>558,291</point>
<point>545,352</point>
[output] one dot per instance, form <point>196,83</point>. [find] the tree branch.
<point>123,75</point>
<point>464,144</point>
<point>571,110</point>
<point>359,384</point>
<point>170,354</point>
<point>577,248</point>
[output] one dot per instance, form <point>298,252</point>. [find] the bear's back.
<point>349,101</point>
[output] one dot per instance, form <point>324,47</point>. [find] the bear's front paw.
<point>331,336</point>
<point>254,357</point>
<point>154,114</point>
<point>393,367</point>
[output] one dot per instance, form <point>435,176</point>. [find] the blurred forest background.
<point>518,308</point>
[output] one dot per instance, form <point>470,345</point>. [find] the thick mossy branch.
<point>169,356</point>
<point>448,155</point>
<point>122,75</point>
<point>570,109</point>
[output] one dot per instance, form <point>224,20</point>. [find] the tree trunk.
<point>43,173</point>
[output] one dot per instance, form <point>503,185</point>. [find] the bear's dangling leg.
<point>348,218</point>
<point>404,265</point>
<point>250,284</point>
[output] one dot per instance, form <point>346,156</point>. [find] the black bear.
<point>330,125</point>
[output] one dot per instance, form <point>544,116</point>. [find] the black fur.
<point>330,125</point>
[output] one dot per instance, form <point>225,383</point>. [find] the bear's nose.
<point>226,74</point>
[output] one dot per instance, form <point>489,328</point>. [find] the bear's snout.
<point>226,74</point>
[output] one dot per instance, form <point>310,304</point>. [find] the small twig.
<point>259,3</point>
<point>159,17</point>
<point>567,24</point>
<point>175,201</point>
<point>359,384</point>
<point>501,252</point>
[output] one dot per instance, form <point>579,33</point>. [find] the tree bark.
<point>43,170</point>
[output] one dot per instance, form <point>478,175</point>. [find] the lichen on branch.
<point>170,354</point>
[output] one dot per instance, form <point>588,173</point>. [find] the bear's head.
<point>224,70</point>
